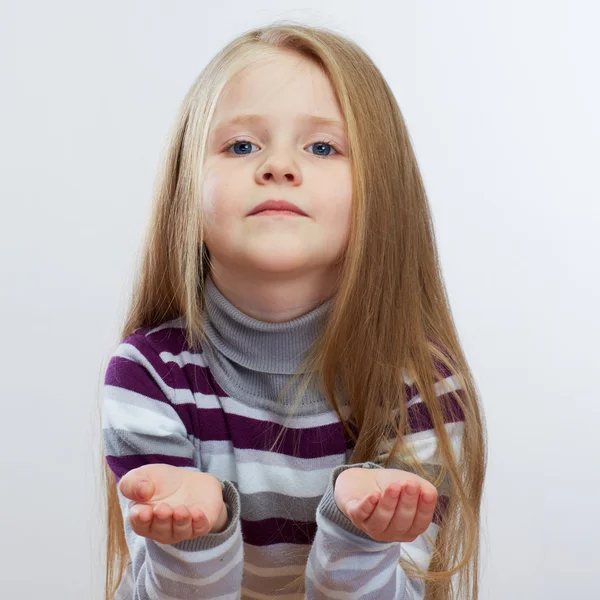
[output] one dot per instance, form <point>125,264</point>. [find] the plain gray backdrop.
<point>501,100</point>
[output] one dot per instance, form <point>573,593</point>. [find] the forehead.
<point>285,85</point>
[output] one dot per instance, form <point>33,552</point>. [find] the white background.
<point>501,100</point>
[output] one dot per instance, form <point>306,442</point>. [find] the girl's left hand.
<point>389,505</point>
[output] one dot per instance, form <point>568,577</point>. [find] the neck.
<point>273,297</point>
<point>271,347</point>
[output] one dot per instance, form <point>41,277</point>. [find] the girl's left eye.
<point>320,144</point>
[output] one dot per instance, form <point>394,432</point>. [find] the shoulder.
<point>168,337</point>
<point>148,351</point>
<point>446,385</point>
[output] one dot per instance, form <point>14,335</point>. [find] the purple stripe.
<point>419,418</point>
<point>213,385</point>
<point>197,379</point>
<point>120,465</point>
<point>441,368</point>
<point>278,531</point>
<point>440,509</point>
<point>410,391</point>
<point>139,341</point>
<point>124,373</point>
<point>253,434</point>
<point>169,339</point>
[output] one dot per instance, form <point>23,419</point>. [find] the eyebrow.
<point>304,117</point>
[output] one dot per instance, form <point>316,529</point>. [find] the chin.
<point>278,257</point>
<point>278,264</point>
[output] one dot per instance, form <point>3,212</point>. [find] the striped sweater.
<point>215,409</point>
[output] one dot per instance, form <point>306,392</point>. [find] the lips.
<point>282,205</point>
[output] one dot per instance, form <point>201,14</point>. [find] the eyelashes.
<point>325,142</point>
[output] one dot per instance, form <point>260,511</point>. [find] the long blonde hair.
<point>390,314</point>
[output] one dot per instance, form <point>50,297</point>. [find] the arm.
<point>344,559</point>
<point>142,424</point>
<point>344,562</point>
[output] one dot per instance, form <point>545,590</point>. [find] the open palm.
<point>390,505</point>
<point>170,504</point>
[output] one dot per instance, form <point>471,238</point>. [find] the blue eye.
<point>321,144</point>
<point>245,147</point>
<point>240,143</point>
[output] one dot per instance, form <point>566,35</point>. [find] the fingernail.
<point>143,488</point>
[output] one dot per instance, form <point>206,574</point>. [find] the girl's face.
<point>279,154</point>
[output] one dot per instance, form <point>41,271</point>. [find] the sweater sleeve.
<point>142,424</point>
<point>345,562</point>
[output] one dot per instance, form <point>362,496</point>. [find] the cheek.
<point>341,207</point>
<point>218,198</point>
<point>211,190</point>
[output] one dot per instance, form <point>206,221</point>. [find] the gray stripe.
<point>119,442</point>
<point>269,505</point>
<point>277,585</point>
<point>225,448</point>
<point>277,555</point>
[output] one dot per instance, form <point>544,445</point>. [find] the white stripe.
<point>138,543</point>
<point>234,407</point>
<point>441,387</point>
<point>224,448</point>
<point>256,477</point>
<point>201,556</point>
<point>174,323</point>
<point>361,544</point>
<point>348,562</point>
<point>258,596</point>
<point>131,353</point>
<point>235,561</point>
<point>420,550</point>
<point>139,420</point>
<point>375,583</point>
<point>185,358</point>
<point>150,589</point>
<point>425,443</point>
<point>291,570</point>
<point>127,397</point>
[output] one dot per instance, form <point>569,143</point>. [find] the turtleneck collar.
<point>276,348</point>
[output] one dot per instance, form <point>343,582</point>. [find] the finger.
<point>378,522</point>
<point>161,528</point>
<point>135,487</point>
<point>424,514</point>
<point>405,512</point>
<point>200,523</point>
<point>359,510</point>
<point>140,518</point>
<point>182,523</point>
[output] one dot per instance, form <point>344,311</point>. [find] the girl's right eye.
<point>240,143</point>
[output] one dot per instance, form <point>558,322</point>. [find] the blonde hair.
<point>391,305</point>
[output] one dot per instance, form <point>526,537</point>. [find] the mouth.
<point>276,213</point>
<point>277,208</point>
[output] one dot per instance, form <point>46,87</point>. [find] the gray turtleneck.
<point>254,360</point>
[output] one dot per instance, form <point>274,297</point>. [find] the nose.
<point>279,169</point>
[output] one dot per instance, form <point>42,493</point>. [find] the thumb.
<point>136,488</point>
<point>352,504</point>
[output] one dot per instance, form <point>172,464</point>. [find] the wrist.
<point>221,522</point>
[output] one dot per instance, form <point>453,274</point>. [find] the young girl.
<point>226,479</point>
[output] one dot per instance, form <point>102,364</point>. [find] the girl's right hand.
<point>170,504</point>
